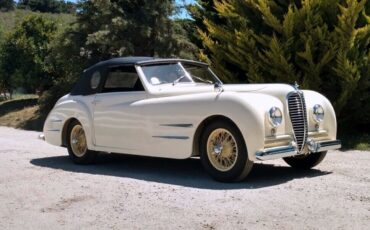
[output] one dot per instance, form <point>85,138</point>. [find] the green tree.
<point>324,45</point>
<point>106,29</point>
<point>6,5</point>
<point>126,27</point>
<point>52,6</point>
<point>23,59</point>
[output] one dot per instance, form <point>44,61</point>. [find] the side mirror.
<point>218,87</point>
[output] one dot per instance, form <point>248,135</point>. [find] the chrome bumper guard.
<point>42,137</point>
<point>291,150</point>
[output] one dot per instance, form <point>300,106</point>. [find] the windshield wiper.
<point>201,79</point>
<point>178,79</point>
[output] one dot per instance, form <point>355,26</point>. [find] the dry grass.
<point>358,141</point>
<point>21,113</point>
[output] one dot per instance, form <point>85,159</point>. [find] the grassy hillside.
<point>8,20</point>
<point>21,112</point>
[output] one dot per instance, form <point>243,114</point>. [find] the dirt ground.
<point>41,189</point>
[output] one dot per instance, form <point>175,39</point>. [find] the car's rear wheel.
<point>223,152</point>
<point>305,162</point>
<point>77,145</point>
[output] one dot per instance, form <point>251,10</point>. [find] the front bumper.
<point>291,150</point>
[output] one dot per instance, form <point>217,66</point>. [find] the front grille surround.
<point>298,117</point>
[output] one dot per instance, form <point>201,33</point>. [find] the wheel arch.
<point>65,130</point>
<point>203,124</point>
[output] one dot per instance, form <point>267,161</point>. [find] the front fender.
<point>246,110</point>
<point>330,122</point>
<point>249,112</point>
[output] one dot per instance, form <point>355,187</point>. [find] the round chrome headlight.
<point>275,116</point>
<point>318,113</point>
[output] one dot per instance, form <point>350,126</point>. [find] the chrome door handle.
<point>95,102</point>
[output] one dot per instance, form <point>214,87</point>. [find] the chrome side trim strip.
<point>173,137</point>
<point>178,125</point>
<point>55,120</point>
<point>53,130</point>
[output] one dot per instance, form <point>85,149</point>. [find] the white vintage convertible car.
<point>178,109</point>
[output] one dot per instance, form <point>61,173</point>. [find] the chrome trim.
<point>178,125</point>
<point>320,146</point>
<point>275,153</point>
<point>296,86</point>
<point>168,61</point>
<point>315,113</point>
<point>173,137</point>
<point>303,119</point>
<point>56,120</point>
<point>41,136</point>
<point>271,119</point>
<point>292,150</point>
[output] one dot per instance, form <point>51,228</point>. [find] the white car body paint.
<point>162,120</point>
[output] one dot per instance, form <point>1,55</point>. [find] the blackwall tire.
<point>305,162</point>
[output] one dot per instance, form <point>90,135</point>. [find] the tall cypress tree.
<point>324,45</point>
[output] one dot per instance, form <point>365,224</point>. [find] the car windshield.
<point>175,73</point>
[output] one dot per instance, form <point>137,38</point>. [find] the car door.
<point>118,122</point>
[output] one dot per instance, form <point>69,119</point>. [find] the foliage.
<point>9,20</point>
<point>6,5</point>
<point>52,6</point>
<point>324,45</point>
<point>23,57</point>
<point>106,29</point>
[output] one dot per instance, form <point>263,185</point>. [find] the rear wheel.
<point>224,153</point>
<point>77,145</point>
<point>306,161</point>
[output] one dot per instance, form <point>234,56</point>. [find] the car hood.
<point>279,91</point>
<point>276,90</point>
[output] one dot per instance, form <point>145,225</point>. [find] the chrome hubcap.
<point>78,141</point>
<point>222,149</point>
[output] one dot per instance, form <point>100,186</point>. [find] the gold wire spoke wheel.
<point>222,149</point>
<point>78,141</point>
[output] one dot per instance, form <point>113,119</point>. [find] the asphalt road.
<point>40,188</point>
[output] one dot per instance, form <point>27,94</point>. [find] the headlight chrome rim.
<point>275,116</point>
<point>318,113</point>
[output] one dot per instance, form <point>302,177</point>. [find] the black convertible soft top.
<point>83,86</point>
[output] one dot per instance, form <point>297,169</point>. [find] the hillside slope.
<point>8,20</point>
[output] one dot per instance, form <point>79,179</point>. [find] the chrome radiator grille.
<point>298,117</point>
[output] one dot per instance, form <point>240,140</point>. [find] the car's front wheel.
<point>223,152</point>
<point>77,145</point>
<point>305,162</point>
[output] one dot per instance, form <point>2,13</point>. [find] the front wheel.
<point>77,146</point>
<point>306,161</point>
<point>223,152</point>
